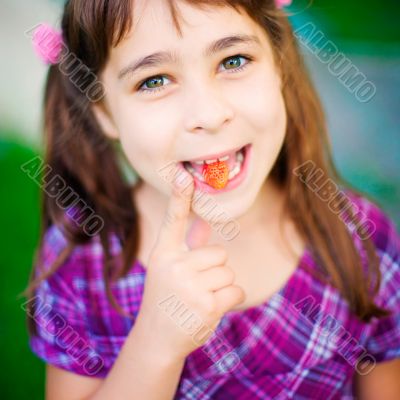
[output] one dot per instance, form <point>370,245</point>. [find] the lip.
<point>214,155</point>
<point>235,182</point>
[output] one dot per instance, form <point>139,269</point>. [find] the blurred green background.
<point>365,139</point>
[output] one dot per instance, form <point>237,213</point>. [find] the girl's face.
<point>194,96</point>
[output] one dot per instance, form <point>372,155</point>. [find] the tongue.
<point>230,162</point>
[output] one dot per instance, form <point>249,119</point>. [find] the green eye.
<point>152,83</point>
<point>233,61</point>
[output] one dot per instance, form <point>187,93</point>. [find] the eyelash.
<point>238,69</point>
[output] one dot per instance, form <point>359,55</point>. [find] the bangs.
<point>118,18</point>
<point>92,27</point>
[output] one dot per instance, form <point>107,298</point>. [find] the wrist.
<point>151,344</point>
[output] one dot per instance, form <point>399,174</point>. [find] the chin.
<point>224,212</point>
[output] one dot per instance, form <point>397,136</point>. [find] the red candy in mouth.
<point>216,174</point>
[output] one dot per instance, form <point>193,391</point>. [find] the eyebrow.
<point>164,57</point>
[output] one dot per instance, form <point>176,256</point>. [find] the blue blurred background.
<point>364,135</point>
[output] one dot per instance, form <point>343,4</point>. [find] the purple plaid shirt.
<point>301,343</point>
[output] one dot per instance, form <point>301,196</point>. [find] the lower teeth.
<point>232,173</point>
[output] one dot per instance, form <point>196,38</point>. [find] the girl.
<point>239,265</point>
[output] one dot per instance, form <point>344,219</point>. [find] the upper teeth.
<point>224,158</point>
<point>232,173</point>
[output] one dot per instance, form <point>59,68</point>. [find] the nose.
<point>206,108</point>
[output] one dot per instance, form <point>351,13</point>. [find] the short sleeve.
<point>62,338</point>
<point>384,338</point>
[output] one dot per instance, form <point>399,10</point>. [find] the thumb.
<point>198,233</point>
<point>173,227</point>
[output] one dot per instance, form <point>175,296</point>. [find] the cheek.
<point>263,105</point>
<point>146,138</point>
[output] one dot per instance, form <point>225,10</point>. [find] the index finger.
<point>173,227</point>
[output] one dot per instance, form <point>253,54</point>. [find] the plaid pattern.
<point>301,343</point>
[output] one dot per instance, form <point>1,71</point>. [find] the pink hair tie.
<point>47,43</point>
<point>283,3</point>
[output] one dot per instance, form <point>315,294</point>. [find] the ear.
<point>105,120</point>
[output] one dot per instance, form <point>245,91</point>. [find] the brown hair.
<point>90,28</point>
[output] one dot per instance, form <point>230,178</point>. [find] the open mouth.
<point>235,162</point>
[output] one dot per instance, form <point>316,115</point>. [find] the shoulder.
<point>64,265</point>
<point>79,274</point>
<point>375,222</point>
<point>376,225</point>
<point>69,277</point>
